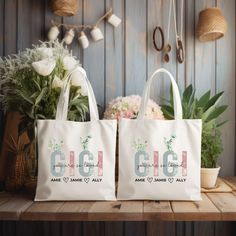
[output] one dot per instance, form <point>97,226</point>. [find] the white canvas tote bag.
<point>159,159</point>
<point>76,160</point>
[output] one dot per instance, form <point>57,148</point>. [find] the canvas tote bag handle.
<point>176,95</point>
<point>62,106</point>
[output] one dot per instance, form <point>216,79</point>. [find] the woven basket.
<point>65,7</point>
<point>22,166</point>
<point>211,25</point>
<point>17,173</point>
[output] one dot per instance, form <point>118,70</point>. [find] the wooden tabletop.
<point>213,207</point>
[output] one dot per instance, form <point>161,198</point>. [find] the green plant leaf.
<point>168,112</point>
<point>187,94</point>
<point>171,96</point>
<point>222,123</point>
<point>204,99</point>
<point>40,96</point>
<point>213,101</point>
<point>216,112</point>
<point>21,94</point>
<point>37,84</point>
<point>209,126</point>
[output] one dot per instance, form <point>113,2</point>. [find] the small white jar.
<point>83,40</point>
<point>53,33</point>
<point>114,20</point>
<point>96,34</point>
<point>70,34</point>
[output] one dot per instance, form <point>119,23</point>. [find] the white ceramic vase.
<point>209,177</point>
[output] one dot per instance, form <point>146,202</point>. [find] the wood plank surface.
<point>12,208</point>
<point>24,18</point>
<point>154,58</point>
<point>114,53</point>
<point>37,23</point>
<point>205,61</point>
<point>135,49</point>
<point>114,228</point>
<point>126,210</point>
<point>226,203</point>
<point>94,55</point>
<point>77,19</point>
<point>74,210</point>
<point>213,207</point>
<point>10,27</point>
<point>217,73</point>
<point>157,210</point>
<point>42,211</point>
<point>180,67</point>
<point>198,211</point>
<point>172,64</point>
<point>225,71</point>
<point>48,16</point>
<point>221,186</point>
<point>134,228</point>
<point>4,197</point>
<point>231,181</point>
<point>161,228</point>
<point>1,31</point>
<point>189,41</point>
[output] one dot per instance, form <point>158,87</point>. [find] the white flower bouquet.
<point>31,82</point>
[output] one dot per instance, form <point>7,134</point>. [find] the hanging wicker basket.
<point>211,25</point>
<point>64,7</point>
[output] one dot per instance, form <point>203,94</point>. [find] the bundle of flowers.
<point>31,82</point>
<point>128,107</point>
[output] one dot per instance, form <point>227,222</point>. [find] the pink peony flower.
<point>128,107</point>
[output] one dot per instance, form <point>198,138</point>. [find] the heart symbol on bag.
<point>171,180</point>
<point>149,179</point>
<point>65,179</point>
<point>86,180</point>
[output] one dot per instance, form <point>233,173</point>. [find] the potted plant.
<point>207,109</point>
<point>31,82</point>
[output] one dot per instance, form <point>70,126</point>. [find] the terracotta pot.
<point>209,177</point>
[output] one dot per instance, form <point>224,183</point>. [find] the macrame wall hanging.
<point>81,30</point>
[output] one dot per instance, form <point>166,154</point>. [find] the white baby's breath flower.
<point>57,82</point>
<point>69,63</point>
<point>44,52</point>
<point>45,66</point>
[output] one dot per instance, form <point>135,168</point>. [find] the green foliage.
<point>207,109</point>
<point>33,95</point>
<point>211,148</point>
